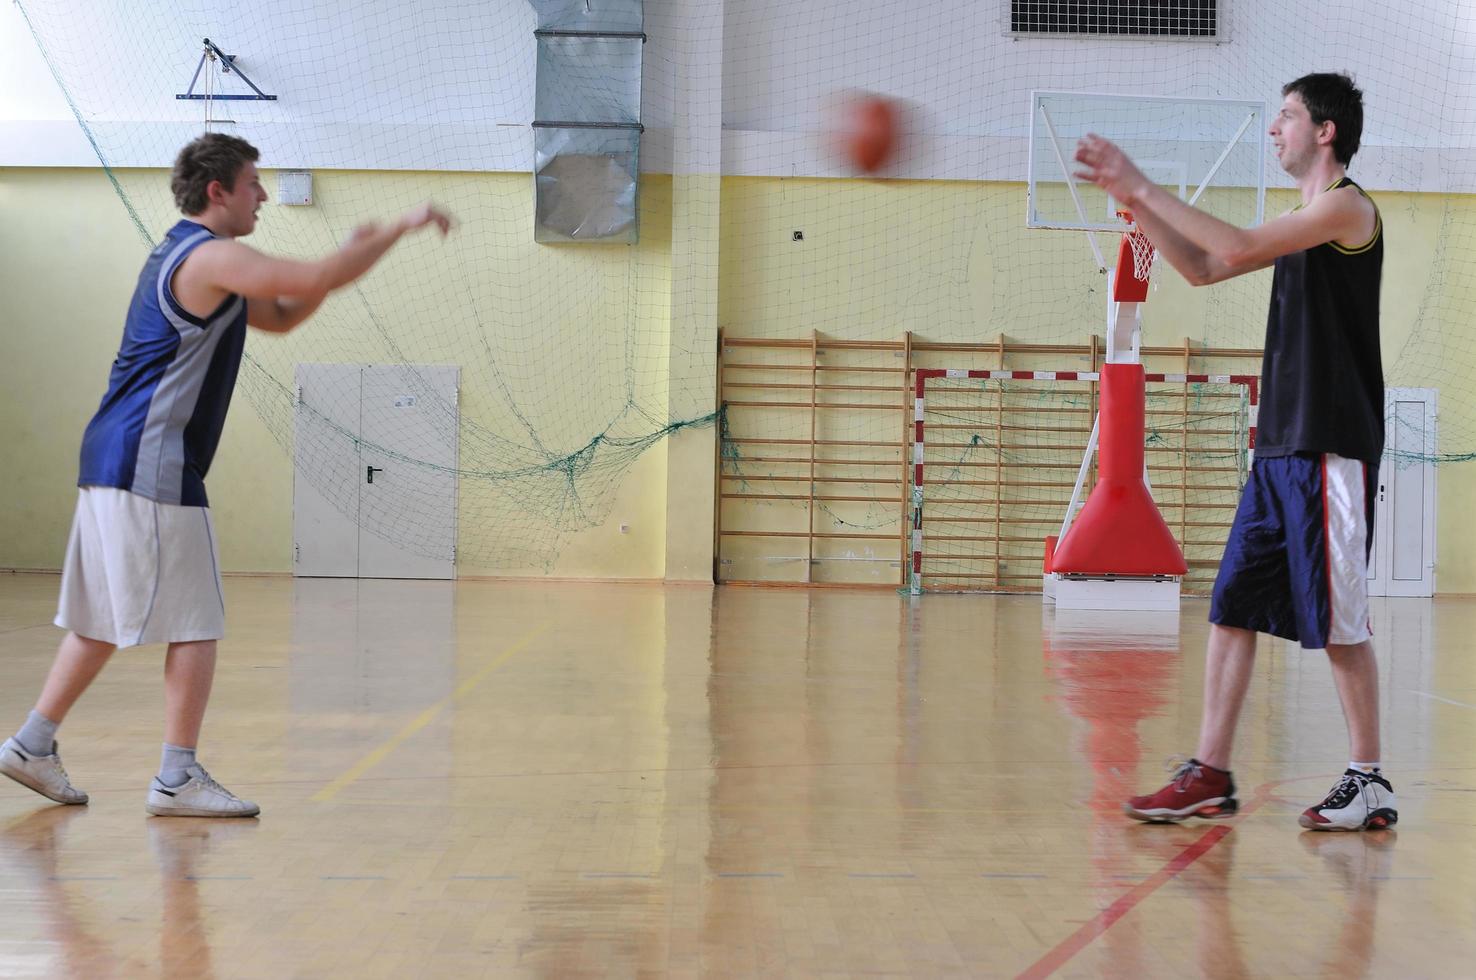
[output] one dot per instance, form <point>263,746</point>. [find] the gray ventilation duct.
<point>587,120</point>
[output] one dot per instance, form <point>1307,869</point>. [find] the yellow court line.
<point>423,719</point>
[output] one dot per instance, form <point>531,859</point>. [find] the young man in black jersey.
<point>1295,564</point>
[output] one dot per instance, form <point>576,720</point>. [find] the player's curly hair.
<point>214,156</point>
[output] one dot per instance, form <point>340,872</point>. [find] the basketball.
<point>871,132</point>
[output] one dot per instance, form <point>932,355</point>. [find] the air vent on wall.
<point>1199,20</point>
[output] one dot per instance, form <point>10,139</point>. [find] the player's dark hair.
<point>1332,96</point>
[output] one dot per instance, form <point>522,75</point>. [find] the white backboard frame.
<point>1052,144</point>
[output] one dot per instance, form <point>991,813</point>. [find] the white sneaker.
<point>42,773</point>
<point>200,796</point>
<point>1360,801</point>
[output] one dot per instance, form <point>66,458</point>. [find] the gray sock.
<point>174,763</point>
<point>37,735</point>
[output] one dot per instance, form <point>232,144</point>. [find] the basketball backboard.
<point>1211,152</point>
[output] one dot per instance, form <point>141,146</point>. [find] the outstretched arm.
<point>1202,247</point>
<point>283,313</point>
<point>282,293</point>
<point>369,242</point>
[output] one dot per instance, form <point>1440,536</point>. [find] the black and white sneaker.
<point>42,773</point>
<point>199,796</point>
<point>1360,801</point>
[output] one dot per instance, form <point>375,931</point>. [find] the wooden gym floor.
<point>544,779</point>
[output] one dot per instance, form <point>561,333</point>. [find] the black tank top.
<point>1322,379</point>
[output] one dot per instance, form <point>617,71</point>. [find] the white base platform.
<point>1147,595</point>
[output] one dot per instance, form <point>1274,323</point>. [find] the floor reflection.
<point>1112,671</point>
<point>65,940</point>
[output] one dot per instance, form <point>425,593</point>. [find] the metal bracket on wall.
<point>228,65</point>
<point>559,32</point>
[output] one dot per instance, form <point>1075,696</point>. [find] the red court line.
<point>1059,955</point>
<point>1079,940</point>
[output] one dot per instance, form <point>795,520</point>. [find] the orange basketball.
<point>872,132</point>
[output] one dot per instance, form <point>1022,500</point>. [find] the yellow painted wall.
<point>948,261</point>
<point>70,261</point>
<point>953,262</point>
<point>72,258</point>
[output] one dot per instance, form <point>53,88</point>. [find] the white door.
<point>325,471</point>
<point>1403,558</point>
<point>374,489</point>
<point>407,504</point>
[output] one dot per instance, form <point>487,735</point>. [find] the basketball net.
<point>1143,251</point>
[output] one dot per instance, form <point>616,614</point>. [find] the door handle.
<point>372,471</point>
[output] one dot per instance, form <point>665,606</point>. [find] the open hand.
<point>1104,164</point>
<point>425,214</point>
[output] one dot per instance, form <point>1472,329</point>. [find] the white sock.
<point>1364,766</point>
<point>174,764</point>
<point>38,734</point>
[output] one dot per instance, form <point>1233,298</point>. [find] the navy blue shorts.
<point>1296,563</point>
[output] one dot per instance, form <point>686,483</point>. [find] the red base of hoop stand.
<point>1120,531</point>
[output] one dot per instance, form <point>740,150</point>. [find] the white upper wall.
<point>373,86</point>
<point>449,85</point>
<point>966,83</point>
<point>37,128</point>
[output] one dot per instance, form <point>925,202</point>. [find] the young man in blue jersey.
<point>1295,564</point>
<point>141,564</point>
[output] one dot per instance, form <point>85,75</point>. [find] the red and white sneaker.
<point>1360,801</point>
<point>1196,790</point>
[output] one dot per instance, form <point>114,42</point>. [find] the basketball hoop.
<point>1143,251</point>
